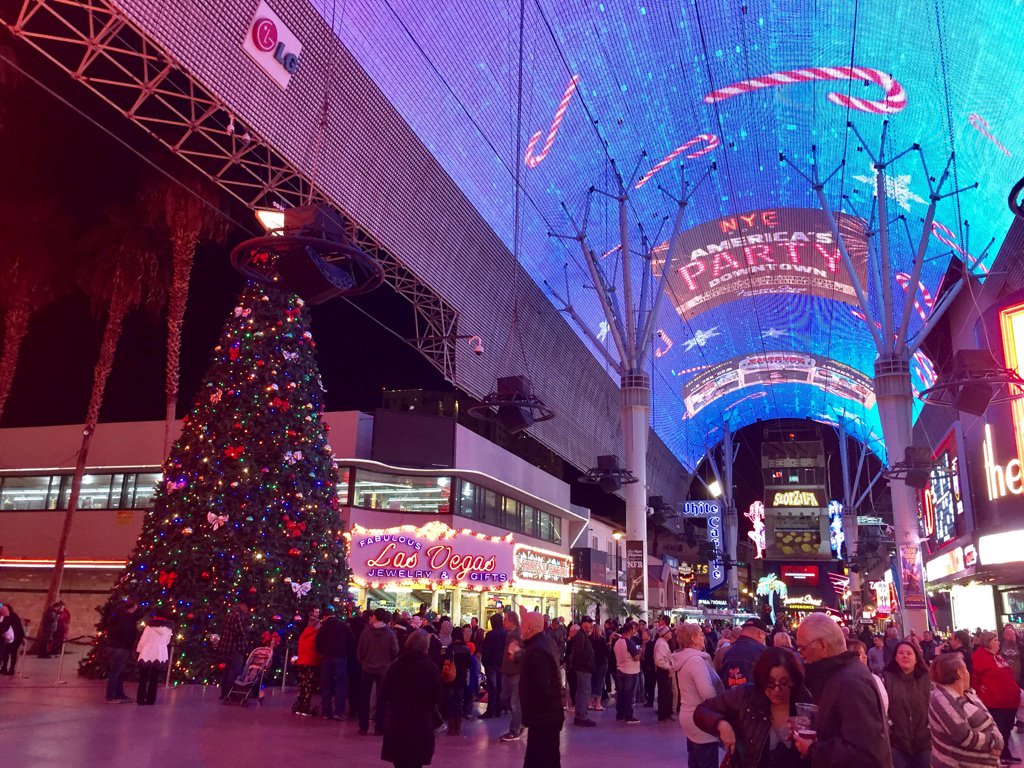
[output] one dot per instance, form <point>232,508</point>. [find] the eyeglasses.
<point>803,648</point>
<point>782,685</point>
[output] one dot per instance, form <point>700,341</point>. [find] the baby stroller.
<point>250,682</point>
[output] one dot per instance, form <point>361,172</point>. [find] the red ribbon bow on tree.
<point>167,578</point>
<point>295,528</point>
<point>234,451</point>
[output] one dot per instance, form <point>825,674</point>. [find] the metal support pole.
<point>170,660</point>
<point>851,529</point>
<point>284,669</point>
<point>730,520</point>
<point>60,665</point>
<point>895,402</point>
<point>636,414</point>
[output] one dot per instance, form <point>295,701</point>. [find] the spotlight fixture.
<point>513,404</point>
<point>974,381</point>
<point>608,475</point>
<point>308,252</point>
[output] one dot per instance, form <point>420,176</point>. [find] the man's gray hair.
<point>418,641</point>
<point>820,627</point>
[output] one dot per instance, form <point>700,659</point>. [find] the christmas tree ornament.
<point>216,521</point>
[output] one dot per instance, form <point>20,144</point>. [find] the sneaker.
<point>584,723</point>
<point>632,720</point>
<point>510,736</point>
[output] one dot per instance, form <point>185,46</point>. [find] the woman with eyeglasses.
<point>752,720</point>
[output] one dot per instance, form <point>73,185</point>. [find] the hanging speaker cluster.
<point>608,475</point>
<point>310,255</point>
<point>973,382</point>
<point>917,468</point>
<point>513,405</point>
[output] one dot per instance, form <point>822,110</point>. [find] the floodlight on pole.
<point>715,488</point>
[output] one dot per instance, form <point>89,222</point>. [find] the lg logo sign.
<point>264,37</point>
<point>272,45</point>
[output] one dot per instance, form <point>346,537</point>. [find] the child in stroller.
<point>250,682</point>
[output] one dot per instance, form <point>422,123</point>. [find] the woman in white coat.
<point>697,682</point>
<point>152,650</point>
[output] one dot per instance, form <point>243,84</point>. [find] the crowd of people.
<point>768,696</point>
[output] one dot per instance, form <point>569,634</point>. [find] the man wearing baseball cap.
<point>738,662</point>
<point>583,667</point>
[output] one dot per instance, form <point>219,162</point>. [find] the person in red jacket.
<point>308,662</point>
<point>993,680</point>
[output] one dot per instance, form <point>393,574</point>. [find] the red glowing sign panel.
<point>800,575</point>
<point>779,250</point>
<point>431,555</point>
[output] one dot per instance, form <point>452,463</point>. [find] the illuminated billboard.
<point>639,89</point>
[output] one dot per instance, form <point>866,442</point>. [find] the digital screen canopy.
<point>760,320</point>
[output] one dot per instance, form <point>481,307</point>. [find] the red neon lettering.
<point>829,255</point>
<point>684,272</point>
<point>724,256</point>
<point>398,560</point>
<point>729,225</point>
<point>755,252</point>
<point>770,218</point>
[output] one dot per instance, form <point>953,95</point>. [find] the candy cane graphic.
<point>904,281</point>
<point>981,126</point>
<point>710,139</point>
<point>945,235</point>
<point>895,96</point>
<point>533,161</point>
<point>926,369</point>
<point>666,340</point>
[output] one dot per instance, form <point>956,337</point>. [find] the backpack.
<point>448,669</point>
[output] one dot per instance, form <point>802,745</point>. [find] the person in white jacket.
<point>663,671</point>
<point>153,656</point>
<point>697,682</point>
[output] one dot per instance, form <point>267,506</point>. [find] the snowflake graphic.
<point>775,333</point>
<point>896,188</point>
<point>602,332</point>
<point>700,338</point>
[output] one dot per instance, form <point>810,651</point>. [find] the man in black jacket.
<point>852,731</point>
<point>491,652</point>
<point>121,640</point>
<point>583,664</point>
<point>540,691</point>
<point>335,644</point>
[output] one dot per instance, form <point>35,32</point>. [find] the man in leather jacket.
<point>852,731</point>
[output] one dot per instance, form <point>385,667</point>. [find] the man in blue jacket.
<point>738,662</point>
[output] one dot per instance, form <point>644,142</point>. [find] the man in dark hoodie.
<point>583,666</point>
<point>335,644</point>
<point>376,649</point>
<point>491,656</point>
<point>120,644</point>
<point>852,731</point>
<point>540,691</point>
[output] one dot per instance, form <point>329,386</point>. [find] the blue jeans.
<point>625,695</point>
<point>582,695</point>
<point>515,722</point>
<point>333,686</point>
<point>493,692</point>
<point>115,680</point>
<point>701,755</point>
<point>233,663</point>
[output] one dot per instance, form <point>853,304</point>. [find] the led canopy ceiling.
<point>761,320</point>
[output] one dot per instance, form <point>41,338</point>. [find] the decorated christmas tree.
<point>248,508</point>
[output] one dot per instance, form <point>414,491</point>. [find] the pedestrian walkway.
<point>46,725</point>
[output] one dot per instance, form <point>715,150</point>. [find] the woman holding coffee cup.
<point>755,721</point>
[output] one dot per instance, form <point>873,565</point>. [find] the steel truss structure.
<point>96,45</point>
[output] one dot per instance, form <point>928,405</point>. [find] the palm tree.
<point>187,211</point>
<point>122,271</point>
<point>769,586</point>
<point>35,234</point>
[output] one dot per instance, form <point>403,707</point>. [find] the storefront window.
<point>377,490</point>
<point>479,503</point>
<point>28,493</point>
<point>142,489</point>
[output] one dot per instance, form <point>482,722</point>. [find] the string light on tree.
<point>249,509</point>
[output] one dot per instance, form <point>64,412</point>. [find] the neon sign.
<point>541,565</point>
<point>795,499</point>
<point>433,554</point>
<point>835,528</point>
<point>756,516</point>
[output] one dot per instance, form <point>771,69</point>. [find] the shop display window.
<point>29,492</point>
<point>133,490</point>
<point>405,493</point>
